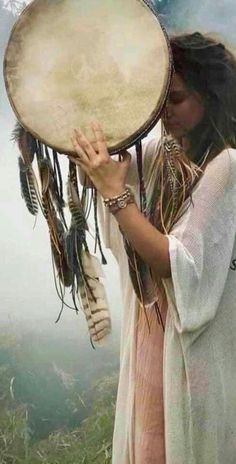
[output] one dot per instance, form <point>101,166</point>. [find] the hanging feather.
<point>59,253</point>
<point>76,268</point>
<point>49,185</point>
<point>75,206</point>
<point>74,243</point>
<point>55,225</point>
<point>45,175</point>
<point>94,301</point>
<point>175,179</point>
<point>86,287</point>
<point>76,236</point>
<point>26,143</point>
<point>28,190</point>
<point>57,176</point>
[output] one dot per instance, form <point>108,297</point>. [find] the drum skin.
<point>70,62</point>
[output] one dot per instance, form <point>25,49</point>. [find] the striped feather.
<point>49,185</point>
<point>94,300</point>
<point>74,243</point>
<point>45,175</point>
<point>28,190</point>
<point>76,208</point>
<point>59,253</point>
<point>26,143</point>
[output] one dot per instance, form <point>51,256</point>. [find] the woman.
<point>193,362</point>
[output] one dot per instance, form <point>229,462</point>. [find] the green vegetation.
<point>48,414</point>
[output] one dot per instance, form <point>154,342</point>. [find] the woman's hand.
<point>109,178</point>
<point>106,174</point>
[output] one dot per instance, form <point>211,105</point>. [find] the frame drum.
<point>69,62</point>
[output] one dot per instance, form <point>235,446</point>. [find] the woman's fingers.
<point>89,153</point>
<point>80,153</point>
<point>126,159</point>
<point>83,144</point>
<point>100,139</point>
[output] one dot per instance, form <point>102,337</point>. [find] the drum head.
<point>69,62</point>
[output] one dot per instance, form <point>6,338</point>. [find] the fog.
<point>29,305</point>
<point>27,289</point>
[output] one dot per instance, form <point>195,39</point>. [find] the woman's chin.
<point>176,132</point>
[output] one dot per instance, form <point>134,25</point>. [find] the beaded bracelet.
<point>120,201</point>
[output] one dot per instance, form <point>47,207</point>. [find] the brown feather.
<point>76,208</point>
<point>28,190</point>
<point>26,143</point>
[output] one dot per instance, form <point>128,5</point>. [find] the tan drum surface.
<point>69,62</point>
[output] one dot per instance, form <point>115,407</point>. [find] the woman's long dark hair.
<point>209,68</point>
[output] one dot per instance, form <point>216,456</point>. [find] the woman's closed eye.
<point>177,97</point>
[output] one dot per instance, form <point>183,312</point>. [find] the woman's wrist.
<point>113,191</point>
<point>120,201</point>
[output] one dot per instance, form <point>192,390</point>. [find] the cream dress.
<point>176,401</point>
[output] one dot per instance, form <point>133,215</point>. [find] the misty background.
<point>35,350</point>
<point>26,285</point>
<point>27,290</point>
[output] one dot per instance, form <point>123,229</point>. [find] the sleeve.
<point>201,245</point>
<point>109,227</point>
<point>150,149</point>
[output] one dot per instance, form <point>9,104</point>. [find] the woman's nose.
<point>169,109</point>
<point>167,112</point>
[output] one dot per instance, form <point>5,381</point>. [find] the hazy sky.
<point>26,284</point>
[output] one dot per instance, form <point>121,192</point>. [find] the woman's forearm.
<point>150,244</point>
<point>109,178</point>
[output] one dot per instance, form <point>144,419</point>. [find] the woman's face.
<point>184,109</point>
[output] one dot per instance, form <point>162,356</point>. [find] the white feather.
<point>95,305</point>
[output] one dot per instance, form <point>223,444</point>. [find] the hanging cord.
<point>142,190</point>
<point>87,200</point>
<point>39,151</point>
<point>57,183</point>
<point>47,152</point>
<point>97,233</point>
<point>58,175</point>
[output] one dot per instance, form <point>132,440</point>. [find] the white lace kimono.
<point>198,349</point>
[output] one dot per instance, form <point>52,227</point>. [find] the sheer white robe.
<point>198,350</point>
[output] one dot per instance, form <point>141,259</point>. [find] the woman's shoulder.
<point>232,154</point>
<point>150,148</point>
<point>218,180</point>
<point>223,166</point>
